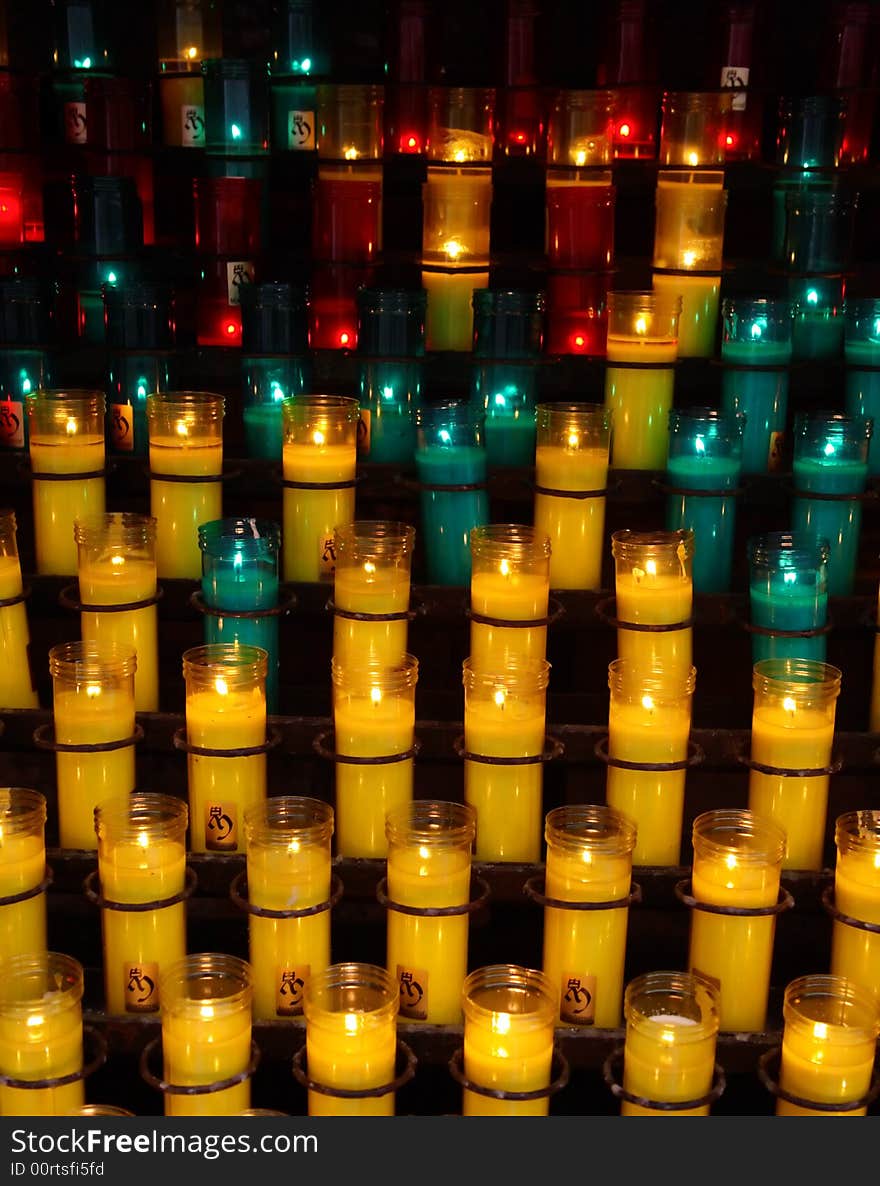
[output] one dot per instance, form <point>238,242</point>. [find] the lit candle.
<point>186,34</point>
<point>22,868</point>
<point>347,213</point>
<point>580,217</point>
<point>793,729</point>
<point>653,585</point>
<point>17,687</point>
<point>756,334</point>
<point>288,868</point>
<point>274,359</point>
<point>862,354</point>
<point>429,867</point>
<point>692,128</point>
<point>737,863</point>
<point>855,953</point>
<point>788,590</point>
<point>225,710</point>
<point>373,568</point>
<point>589,859</point>
<point>510,581</point>
<point>141,859</point>
<point>818,323</point>
<point>391,345</point>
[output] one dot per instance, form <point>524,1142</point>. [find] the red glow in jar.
<point>11,210</point>
<point>218,314</point>
<point>347,214</point>
<point>333,313</point>
<point>637,110</point>
<point>580,220</point>
<point>228,215</point>
<point>577,315</point>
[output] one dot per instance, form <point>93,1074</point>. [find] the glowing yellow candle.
<point>589,859</point>
<point>653,584</point>
<point>351,1038</point>
<point>225,710</point>
<point>855,953</point>
<point>22,868</point>
<point>373,564</point>
<point>206,1032</point>
<point>449,321</point>
<point>505,717</point>
<point>670,1040</point>
<point>373,716</point>
<point>141,858</point>
<point>117,566</point>
<point>829,1039</point>
<point>17,687</point>
<point>186,441</point>
<point>793,729</point>
<point>698,322</point>
<point>509,1016</point>
<point>737,862</point>
<point>288,868</point>
<point>93,703</point>
<point>510,581</point>
<point>649,720</point>
<point>41,1033</point>
<point>429,866</point>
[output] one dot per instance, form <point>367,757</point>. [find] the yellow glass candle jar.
<point>461,123</point>
<point>371,591</point>
<point>116,566</point>
<point>225,713</point>
<point>41,1033</point>
<point>288,875</point>
<point>855,951</point>
<point>654,587</point>
<point>669,1045</point>
<point>351,1039</point>
<point>571,474</point>
<point>580,129</point>
<point>349,121</point>
<point>641,348</point>
<point>510,584</point>
<point>374,716</point>
<point>22,871</point>
<point>505,714</point>
<point>509,1016</point>
<point>319,465</point>
<point>829,1041</point>
<point>589,860</point>
<point>649,723</point>
<point>186,468</point>
<point>793,718</point>
<point>17,686</point>
<point>206,1033</point>
<point>92,706</point>
<point>692,128</point>
<point>429,869</point>
<point>66,433</point>
<point>737,863</point>
<point>141,860</point>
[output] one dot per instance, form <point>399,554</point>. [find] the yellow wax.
<point>584,950</point>
<point>508,800</point>
<point>86,779</point>
<point>367,728</point>
<point>41,1046</point>
<point>511,597</point>
<point>17,688</point>
<point>640,399</point>
<point>874,722</point>
<point>222,789</point>
<point>180,507</point>
<point>22,866</point>
<point>428,956</point>
<point>57,504</point>
<point>574,526</point>
<point>699,311</point>
<point>352,1050</point>
<point>382,591</point>
<point>204,1044</point>
<point>311,515</point>
<point>139,945</point>
<point>855,954</point>
<point>655,599</point>
<point>116,581</point>
<point>735,952</point>
<point>661,1064</point>
<point>507,1052</point>
<point>793,739</point>
<point>821,1061</point>
<point>285,952</point>
<point>653,799</point>
<point>449,320</point>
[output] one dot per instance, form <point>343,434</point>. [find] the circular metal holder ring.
<point>94,1057</point>
<point>768,632</point>
<point>610,619</point>
<point>531,890</point>
<point>42,740</point>
<point>83,477</point>
<point>476,903</point>
<point>765,1074</point>
<point>166,1088</point>
<point>273,739</point>
<point>330,755</point>
<point>68,600</point>
<point>17,599</point>
<point>33,892</point>
<point>404,615</point>
<point>830,496</point>
<point>847,920</point>
<point>696,755</point>
<point>689,492</point>
<point>238,894</point>
<point>193,479</point>
<point>613,1064</point>
<point>553,749</point>
<point>555,610</point>
<point>780,772</point>
<point>406,1062</point>
<point>197,601</point>
<point>95,896</point>
<point>559,1070</point>
<point>290,484</point>
<point>783,902</point>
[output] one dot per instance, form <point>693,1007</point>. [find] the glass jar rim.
<point>375,300</point>
<point>207,967</point>
<point>801,548</point>
<point>711,827</point>
<point>804,991</point>
<point>639,300</point>
<point>858,830</point>
<point>432,822</point>
<point>143,813</point>
<point>687,417</point>
<point>508,300</point>
<point>687,985</point>
<point>252,536</point>
<point>322,987</point>
<point>75,395</point>
<point>598,415</point>
<point>532,986</point>
<point>818,422</point>
<point>631,678</point>
<point>184,401</point>
<point>596,826</point>
<point>232,659</point>
<point>800,679</point>
<point>280,818</point>
<point>126,527</point>
<point>22,810</point>
<point>629,542</point>
<point>61,972</point>
<point>92,661</point>
<point>514,676</point>
<point>779,307</point>
<point>380,536</point>
<point>320,402</point>
<point>526,542</point>
<point>370,674</point>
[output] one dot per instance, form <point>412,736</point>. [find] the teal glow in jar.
<point>391,345</point>
<point>788,595</point>
<point>756,353</point>
<point>817,316</point>
<point>861,350</point>
<point>275,360</point>
<point>236,106</point>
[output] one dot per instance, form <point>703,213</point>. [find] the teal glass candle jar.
<point>756,354</point>
<point>139,332</point>
<point>861,350</point>
<point>391,346</point>
<point>819,227</point>
<point>702,471</point>
<point>788,595</point>
<point>275,360</point>
<point>26,330</point>
<point>240,566</point>
<point>236,107</point>
<point>451,466</point>
<point>809,131</point>
<point>830,470</point>
<point>817,316</point>
<point>298,56</point>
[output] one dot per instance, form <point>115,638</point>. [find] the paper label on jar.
<point>326,556</point>
<point>735,78</point>
<point>11,424</point>
<point>577,999</point>
<point>75,123</point>
<point>300,130</point>
<point>289,985</point>
<point>774,453</point>
<point>192,125</point>
<point>413,984</point>
<point>237,275</point>
<point>363,431</point>
<point>141,987</point>
<point>221,827</point>
<point>122,427</point>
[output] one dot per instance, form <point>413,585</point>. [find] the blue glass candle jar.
<point>275,360</point>
<point>139,332</point>
<point>451,466</point>
<point>788,595</point>
<point>861,350</point>
<point>702,471</point>
<point>819,227</point>
<point>240,563</point>
<point>809,131</point>
<point>26,331</point>
<point>830,474</point>
<point>756,353</point>
<point>817,316</point>
<point>391,346</point>
<point>236,106</point>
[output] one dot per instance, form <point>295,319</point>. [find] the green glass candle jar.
<point>275,360</point>
<point>788,595</point>
<point>756,352</point>
<point>861,351</point>
<point>391,345</point>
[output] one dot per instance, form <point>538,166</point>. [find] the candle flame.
<point>350,153</point>
<point>459,155</point>
<point>648,703</point>
<point>221,686</point>
<point>71,427</point>
<point>182,428</point>
<point>352,1023</point>
<point>820,1031</point>
<point>143,839</point>
<point>573,440</point>
<point>580,157</point>
<point>116,559</point>
<point>293,847</point>
<point>206,1012</point>
<point>93,690</point>
<point>641,326</point>
<point>731,861</point>
<point>501,1024</point>
<point>424,852</point>
<point>369,567</point>
<point>693,159</point>
<point>318,437</point>
<point>35,1019</point>
<point>191,52</point>
<point>376,695</point>
<point>499,697</point>
<point>689,258</point>
<point>504,568</point>
<point>789,704</point>
<point>453,248</point>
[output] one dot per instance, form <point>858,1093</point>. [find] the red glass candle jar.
<point>406,99</point>
<point>218,309</point>
<point>577,314</point>
<point>580,220</point>
<point>228,215</point>
<point>333,313</point>
<point>635,123</point>
<point>347,214</point>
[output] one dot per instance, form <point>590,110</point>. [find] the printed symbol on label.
<point>192,125</point>
<point>578,1004</point>
<point>122,427</point>
<point>735,78</point>
<point>300,129</point>
<point>413,984</point>
<point>291,982</point>
<point>327,550</point>
<point>363,431</point>
<point>141,988</point>
<point>774,454</point>
<point>237,276</point>
<point>220,828</point>
<point>75,123</point>
<point>11,424</point>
